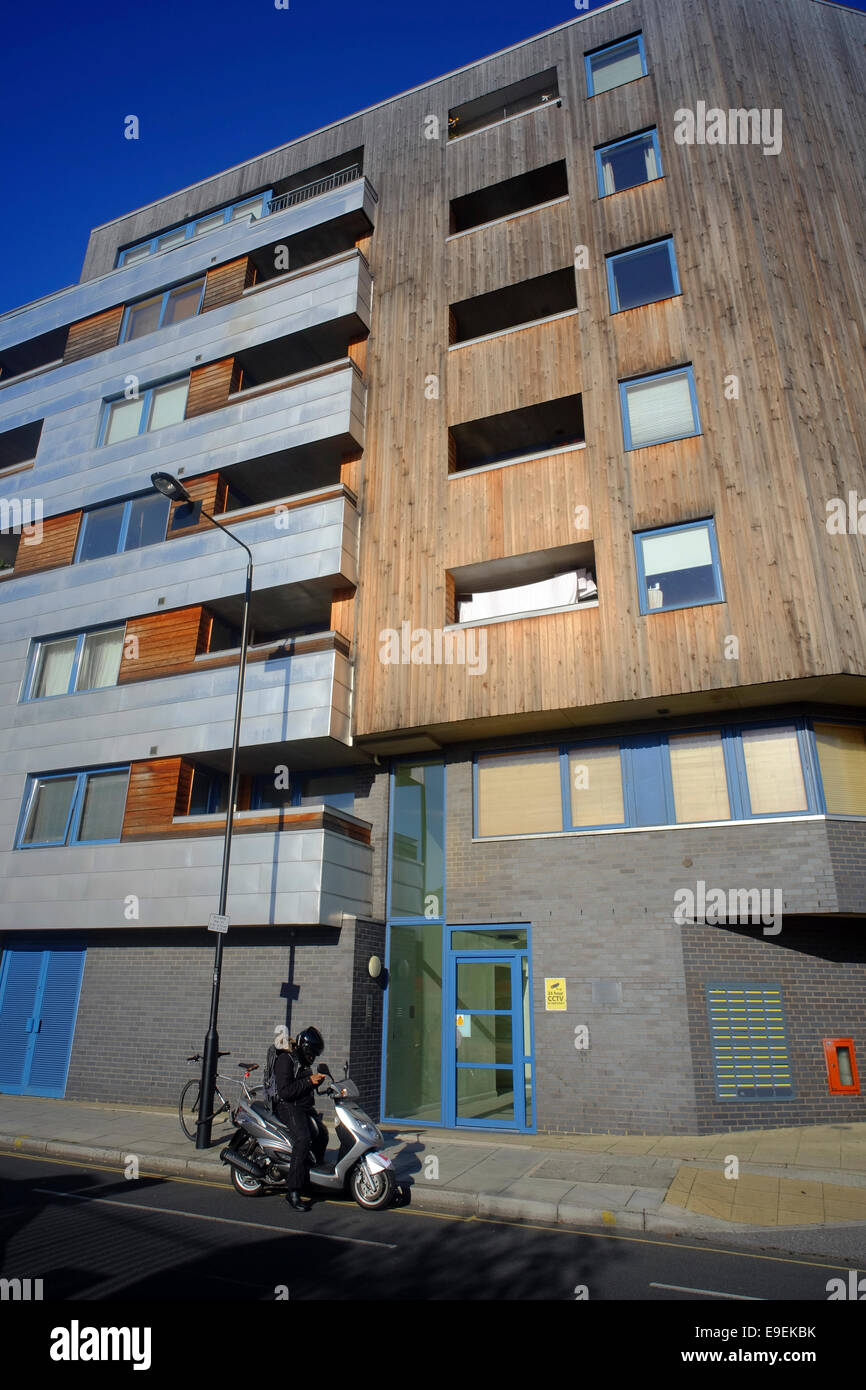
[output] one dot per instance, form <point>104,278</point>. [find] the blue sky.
<point>212,84</point>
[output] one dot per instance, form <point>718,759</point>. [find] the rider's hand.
<point>316,1077</point>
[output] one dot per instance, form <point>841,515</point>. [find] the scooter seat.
<point>264,1111</point>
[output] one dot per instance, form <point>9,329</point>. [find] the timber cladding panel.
<point>758,304</point>
<point>226,283</point>
<point>208,488</point>
<point>93,335</point>
<point>210,386</point>
<point>55,548</point>
<point>158,790</point>
<point>157,643</point>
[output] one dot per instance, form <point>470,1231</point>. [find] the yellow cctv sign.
<point>554,995</point>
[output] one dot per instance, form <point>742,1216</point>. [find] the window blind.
<point>774,770</point>
<point>699,778</point>
<point>842,759</point>
<point>595,779</point>
<point>612,69</point>
<point>557,592</point>
<point>519,794</point>
<point>659,410</point>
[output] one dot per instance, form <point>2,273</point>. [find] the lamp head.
<point>170,487</point>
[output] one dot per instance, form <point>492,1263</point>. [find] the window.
<point>615,64</point>
<point>690,776</point>
<point>152,410</point>
<point>19,445</point>
<point>642,276</point>
<point>596,786</point>
<point>83,661</point>
<point>165,241</point>
<point>659,408</point>
<point>183,302</point>
<point>526,95</point>
<point>842,760</point>
<point>335,789</point>
<point>699,777</point>
<point>209,793</point>
<point>528,432</point>
<point>122,526</point>
<point>774,770</point>
<point>748,1042</point>
<point>74,808</point>
<point>627,163</point>
<point>678,567</point>
<point>518,793</point>
<point>529,300</point>
<point>511,196</point>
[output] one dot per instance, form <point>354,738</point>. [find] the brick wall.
<point>820,966</point>
<point>145,999</point>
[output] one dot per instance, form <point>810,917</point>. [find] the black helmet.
<point>310,1044</point>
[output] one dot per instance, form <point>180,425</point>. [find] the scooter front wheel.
<point>372,1191</point>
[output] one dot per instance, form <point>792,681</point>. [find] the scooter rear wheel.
<point>372,1192</point>
<point>245,1183</point>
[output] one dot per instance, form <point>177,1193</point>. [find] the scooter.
<point>259,1152</point>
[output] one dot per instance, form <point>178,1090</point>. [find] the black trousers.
<point>304,1141</point>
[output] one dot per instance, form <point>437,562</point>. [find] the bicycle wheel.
<point>187,1108</point>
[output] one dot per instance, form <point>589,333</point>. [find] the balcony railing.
<point>312,190</point>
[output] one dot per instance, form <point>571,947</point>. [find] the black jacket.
<point>293,1081</point>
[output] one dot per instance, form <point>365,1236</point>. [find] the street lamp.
<point>176,492</point>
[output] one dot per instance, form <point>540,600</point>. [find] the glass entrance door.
<point>488,1019</point>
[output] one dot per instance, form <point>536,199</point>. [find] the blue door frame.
<point>522,1046</point>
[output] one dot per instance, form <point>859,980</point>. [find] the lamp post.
<point>176,492</point>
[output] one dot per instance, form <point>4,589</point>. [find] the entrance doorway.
<point>488,1029</point>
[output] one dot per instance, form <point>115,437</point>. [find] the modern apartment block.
<point>536,393</point>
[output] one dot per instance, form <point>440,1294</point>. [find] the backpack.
<point>272,1095</point>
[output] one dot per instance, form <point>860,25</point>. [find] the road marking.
<point>220,1220</point>
<point>710,1293</point>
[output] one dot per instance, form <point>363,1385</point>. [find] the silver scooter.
<point>259,1152</point>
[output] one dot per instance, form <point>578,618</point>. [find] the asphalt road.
<point>92,1235</point>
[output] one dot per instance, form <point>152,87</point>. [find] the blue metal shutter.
<point>19,987</point>
<point>58,1007</point>
<point>749,1044</point>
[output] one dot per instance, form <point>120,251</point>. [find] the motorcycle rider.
<point>295,1082</point>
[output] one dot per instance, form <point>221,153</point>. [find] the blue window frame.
<point>659,408</point>
<point>626,163</point>
<point>120,526</point>
<point>175,236</point>
<point>162,310</point>
<point>678,567</point>
<point>614,64</point>
<point>153,409</point>
<point>643,275</point>
<point>66,808</point>
<point>763,770</point>
<point>78,661</point>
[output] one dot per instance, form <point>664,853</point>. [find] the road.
<point>92,1235</point>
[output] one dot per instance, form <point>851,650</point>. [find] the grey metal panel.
<point>276,878</point>
<point>309,544</point>
<point>284,700</point>
<point>72,472</point>
<point>277,309</point>
<point>181,263</point>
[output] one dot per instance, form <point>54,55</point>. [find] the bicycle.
<point>187,1106</point>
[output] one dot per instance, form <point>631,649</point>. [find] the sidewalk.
<point>797,1189</point>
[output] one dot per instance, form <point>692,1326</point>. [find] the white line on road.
<point>223,1220</point>
<point>710,1293</point>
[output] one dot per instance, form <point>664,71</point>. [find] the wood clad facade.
<point>225,283</point>
<point>158,790</point>
<point>93,335</point>
<point>56,547</point>
<point>768,320</point>
<point>210,386</point>
<point>157,644</point>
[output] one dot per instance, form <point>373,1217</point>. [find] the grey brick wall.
<point>820,966</point>
<point>145,1000</point>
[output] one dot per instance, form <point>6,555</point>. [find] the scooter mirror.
<point>324,1069</point>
